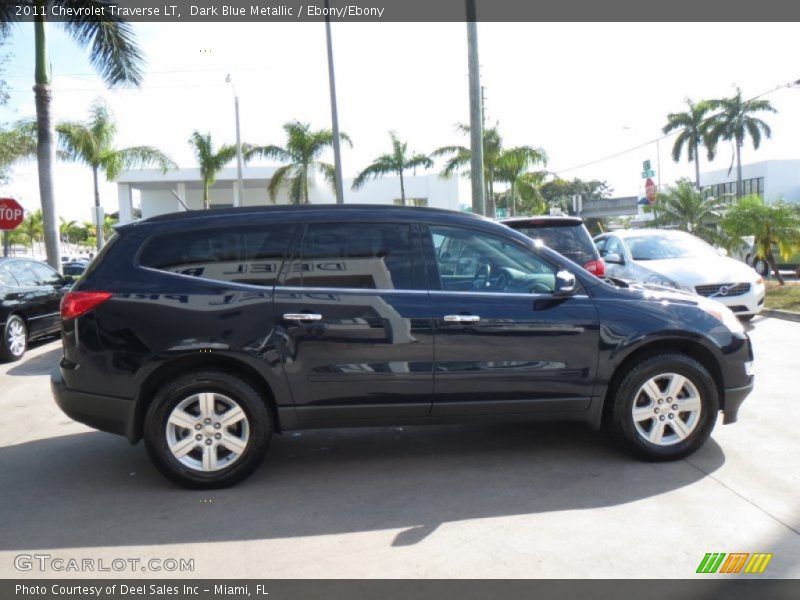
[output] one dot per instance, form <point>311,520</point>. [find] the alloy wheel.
<point>666,409</point>
<point>15,334</point>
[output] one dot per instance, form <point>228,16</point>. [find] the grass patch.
<point>783,297</point>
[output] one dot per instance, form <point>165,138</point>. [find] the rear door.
<point>354,313</point>
<point>504,343</point>
<point>51,283</point>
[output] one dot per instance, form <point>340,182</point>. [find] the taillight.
<point>596,267</point>
<point>75,304</point>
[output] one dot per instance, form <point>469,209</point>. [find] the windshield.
<point>573,241</point>
<point>662,247</point>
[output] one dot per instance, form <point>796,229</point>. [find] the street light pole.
<point>475,113</point>
<point>238,197</point>
<point>337,153</point>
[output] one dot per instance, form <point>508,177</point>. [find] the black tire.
<point>620,422</point>
<point>14,323</point>
<point>258,422</point>
<point>762,267</point>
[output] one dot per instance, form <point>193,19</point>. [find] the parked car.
<point>565,235</point>
<point>30,294</point>
<point>678,260</point>
<point>75,268</point>
<point>207,332</point>
<point>761,266</point>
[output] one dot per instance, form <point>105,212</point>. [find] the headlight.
<point>658,280</point>
<point>724,315</point>
<point>759,284</point>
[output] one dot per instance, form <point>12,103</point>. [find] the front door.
<point>354,317</point>
<point>504,342</point>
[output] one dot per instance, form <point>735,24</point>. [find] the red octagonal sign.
<point>11,214</point>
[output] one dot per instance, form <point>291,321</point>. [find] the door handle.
<point>461,318</point>
<point>302,317</point>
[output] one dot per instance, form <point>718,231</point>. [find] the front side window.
<point>474,261</point>
<point>613,246</point>
<point>354,256</point>
<point>46,275</point>
<point>251,255</point>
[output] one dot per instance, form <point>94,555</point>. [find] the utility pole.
<point>475,113</point>
<point>238,199</point>
<point>337,153</point>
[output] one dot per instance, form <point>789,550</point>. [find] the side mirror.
<point>67,279</point>
<point>722,252</point>
<point>565,283</point>
<point>614,259</point>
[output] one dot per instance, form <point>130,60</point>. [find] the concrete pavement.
<point>513,500</point>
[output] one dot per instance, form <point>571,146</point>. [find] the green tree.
<point>735,122</point>
<point>397,162</point>
<point>772,225</point>
<point>683,207</point>
<point>114,55</point>
<point>67,230</point>
<point>512,165</point>
<point>691,125</point>
<point>559,192</point>
<point>301,154</point>
<point>211,162</point>
<point>92,143</point>
<point>33,226</point>
<point>458,157</point>
<point>15,143</point>
<point>529,190</point>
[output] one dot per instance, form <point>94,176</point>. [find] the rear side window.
<point>250,255</point>
<point>354,255</point>
<point>573,241</point>
<point>22,272</point>
<point>46,275</point>
<point>6,278</point>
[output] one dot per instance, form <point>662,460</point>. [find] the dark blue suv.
<point>205,333</point>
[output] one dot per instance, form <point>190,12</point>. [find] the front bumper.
<point>733,400</point>
<point>106,413</point>
<point>747,304</point>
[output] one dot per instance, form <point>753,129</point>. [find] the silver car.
<point>682,261</point>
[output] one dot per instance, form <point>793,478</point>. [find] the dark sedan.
<point>30,295</point>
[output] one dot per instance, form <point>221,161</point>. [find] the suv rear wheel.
<point>207,429</point>
<point>664,408</point>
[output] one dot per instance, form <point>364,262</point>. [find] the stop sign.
<point>650,190</point>
<point>11,214</point>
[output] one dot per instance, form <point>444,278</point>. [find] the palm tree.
<point>692,125</point>
<point>92,143</point>
<point>395,163</point>
<point>512,164</point>
<point>301,155</point>
<point>683,207</point>
<point>115,56</point>
<point>16,143</point>
<point>211,163</point>
<point>66,229</point>
<point>33,226</point>
<point>772,225</point>
<point>459,157</point>
<point>529,191</point>
<point>735,122</point>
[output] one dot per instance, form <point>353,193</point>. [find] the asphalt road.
<point>510,500</point>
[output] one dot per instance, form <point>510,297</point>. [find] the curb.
<point>780,314</point>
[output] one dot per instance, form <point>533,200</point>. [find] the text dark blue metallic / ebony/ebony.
<point>204,333</point>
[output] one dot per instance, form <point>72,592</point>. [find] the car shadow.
<point>41,364</point>
<point>94,489</point>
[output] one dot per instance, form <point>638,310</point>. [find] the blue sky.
<point>581,91</point>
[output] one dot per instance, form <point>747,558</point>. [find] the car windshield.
<point>663,247</point>
<point>573,241</point>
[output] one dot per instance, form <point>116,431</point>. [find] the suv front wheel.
<point>207,429</point>
<point>664,408</point>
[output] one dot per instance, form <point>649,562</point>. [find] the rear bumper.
<point>733,400</point>
<point>106,413</point>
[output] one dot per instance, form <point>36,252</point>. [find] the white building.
<point>155,192</point>
<point>773,180</point>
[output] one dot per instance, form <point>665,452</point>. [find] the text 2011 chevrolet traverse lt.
<point>207,332</point>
